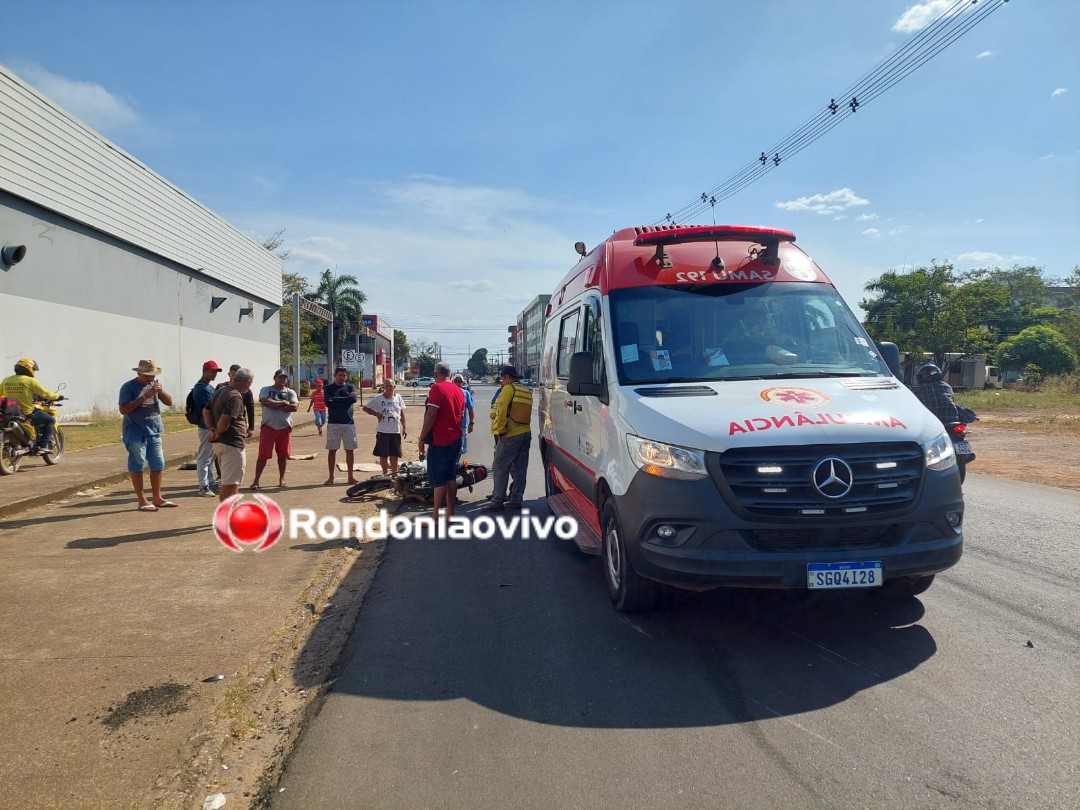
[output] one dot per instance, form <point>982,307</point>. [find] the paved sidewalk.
<point>112,618</point>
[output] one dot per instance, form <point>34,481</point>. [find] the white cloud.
<point>832,203</point>
<point>443,260</point>
<point>1047,157</point>
<point>920,15</point>
<point>91,103</point>
<point>866,217</point>
<point>984,54</point>
<point>985,258</point>
<point>472,285</point>
<point>1060,91</point>
<point>871,232</point>
<point>840,217</point>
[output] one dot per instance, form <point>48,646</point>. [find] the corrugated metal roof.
<point>52,159</point>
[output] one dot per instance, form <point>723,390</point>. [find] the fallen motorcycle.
<point>961,446</point>
<point>412,483</point>
<point>19,438</point>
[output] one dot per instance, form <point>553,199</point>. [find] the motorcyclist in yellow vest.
<point>22,387</point>
<point>511,417</point>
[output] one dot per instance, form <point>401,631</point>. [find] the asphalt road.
<point>496,673</point>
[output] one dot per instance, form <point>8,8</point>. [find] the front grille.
<point>810,539</point>
<point>777,482</point>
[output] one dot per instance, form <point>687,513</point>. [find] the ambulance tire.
<point>629,591</point>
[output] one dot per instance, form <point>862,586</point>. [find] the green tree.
<point>478,363</point>
<point>401,348</point>
<point>343,297</point>
<point>918,311</point>
<point>1042,347</point>
<point>425,355</point>
<point>310,346</point>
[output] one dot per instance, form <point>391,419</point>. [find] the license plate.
<point>962,448</point>
<point>821,576</point>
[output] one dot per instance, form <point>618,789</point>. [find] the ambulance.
<point>713,414</point>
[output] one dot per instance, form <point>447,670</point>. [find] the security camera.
<point>13,254</point>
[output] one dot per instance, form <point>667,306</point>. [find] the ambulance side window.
<point>568,342</point>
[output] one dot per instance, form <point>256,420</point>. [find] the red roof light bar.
<point>673,235</point>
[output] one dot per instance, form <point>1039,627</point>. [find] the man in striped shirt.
<point>318,402</point>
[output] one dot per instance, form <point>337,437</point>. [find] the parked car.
<point>421,382</point>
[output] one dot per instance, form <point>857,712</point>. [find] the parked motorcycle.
<point>961,446</point>
<point>19,438</point>
<point>412,481</point>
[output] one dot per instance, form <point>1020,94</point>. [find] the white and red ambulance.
<point>713,414</point>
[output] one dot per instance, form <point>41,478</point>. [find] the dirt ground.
<point>1005,445</point>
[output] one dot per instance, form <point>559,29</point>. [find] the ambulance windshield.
<point>738,331</point>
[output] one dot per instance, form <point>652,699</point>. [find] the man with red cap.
<point>200,398</point>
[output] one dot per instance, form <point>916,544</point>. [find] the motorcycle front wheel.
<point>58,448</point>
<point>9,460</point>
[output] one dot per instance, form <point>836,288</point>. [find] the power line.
<point>949,26</point>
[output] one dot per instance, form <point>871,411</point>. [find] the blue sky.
<point>450,154</point>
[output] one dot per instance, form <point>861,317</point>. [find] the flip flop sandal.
<point>148,507</point>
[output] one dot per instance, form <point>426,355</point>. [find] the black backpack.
<point>193,416</point>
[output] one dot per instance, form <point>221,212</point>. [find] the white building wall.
<point>52,159</point>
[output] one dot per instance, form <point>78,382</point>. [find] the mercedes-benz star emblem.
<point>833,477</point>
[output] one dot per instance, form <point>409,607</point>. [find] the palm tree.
<point>343,297</point>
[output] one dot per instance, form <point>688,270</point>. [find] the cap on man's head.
<point>210,365</point>
<point>281,373</point>
<point>458,378</point>
<point>509,371</point>
<point>318,383</point>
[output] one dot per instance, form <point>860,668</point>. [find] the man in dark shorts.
<point>443,413</point>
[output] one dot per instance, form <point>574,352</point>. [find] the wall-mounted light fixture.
<point>249,310</point>
<point>217,301</point>
<point>268,313</point>
<point>13,254</point>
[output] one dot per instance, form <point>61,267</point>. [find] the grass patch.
<point>1046,401</point>
<point>233,708</point>
<point>105,426</point>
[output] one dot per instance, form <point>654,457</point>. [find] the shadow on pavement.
<point>524,627</point>
<point>107,542</point>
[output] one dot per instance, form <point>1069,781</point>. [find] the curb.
<point>14,508</point>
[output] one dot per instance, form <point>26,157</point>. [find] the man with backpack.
<point>198,399</point>
<point>511,418</point>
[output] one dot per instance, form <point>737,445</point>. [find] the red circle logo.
<point>248,522</point>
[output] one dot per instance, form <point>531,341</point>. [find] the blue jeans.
<point>204,463</point>
<point>43,424</point>
<point>143,451</point>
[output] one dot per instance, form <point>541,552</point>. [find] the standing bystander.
<point>510,424</point>
<point>279,402</point>
<point>227,415</point>
<point>201,395</point>
<point>340,428</point>
<point>318,404</point>
<point>140,403</point>
<point>389,409</point>
<point>468,419</point>
<point>443,413</point>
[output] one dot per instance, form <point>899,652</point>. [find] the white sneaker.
<point>206,492</point>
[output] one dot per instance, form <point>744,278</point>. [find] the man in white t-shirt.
<point>389,409</point>
<point>278,404</point>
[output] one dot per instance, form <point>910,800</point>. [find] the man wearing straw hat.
<point>140,403</point>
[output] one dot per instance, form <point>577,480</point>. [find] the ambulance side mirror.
<point>890,353</point>
<point>581,376</point>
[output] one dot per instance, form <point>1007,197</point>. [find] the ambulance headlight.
<point>939,453</point>
<point>666,460</point>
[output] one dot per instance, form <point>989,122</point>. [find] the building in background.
<point>120,265</point>
<point>531,342</point>
<point>379,340</point>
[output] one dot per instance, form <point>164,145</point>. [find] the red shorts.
<point>271,439</point>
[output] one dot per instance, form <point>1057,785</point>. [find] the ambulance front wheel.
<point>629,591</point>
